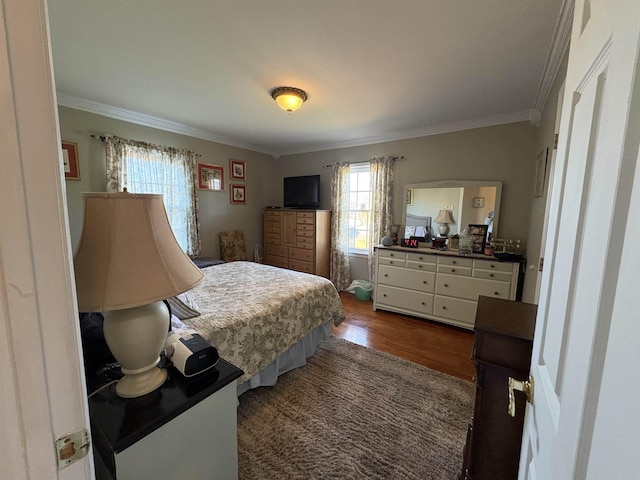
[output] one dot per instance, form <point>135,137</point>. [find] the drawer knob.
<point>424,281</point>
<point>386,275</point>
<point>453,270</point>
<point>384,294</point>
<point>496,293</point>
<point>391,262</point>
<point>444,308</point>
<point>491,274</point>
<point>422,303</point>
<point>419,266</point>
<point>453,263</point>
<point>446,284</point>
<point>492,265</point>
<point>419,258</point>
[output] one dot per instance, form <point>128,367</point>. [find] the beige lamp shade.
<point>128,255</point>
<point>444,216</point>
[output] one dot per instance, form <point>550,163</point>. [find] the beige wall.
<point>216,211</point>
<point>546,132</point>
<point>503,153</point>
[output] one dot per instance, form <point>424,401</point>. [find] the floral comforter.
<point>252,313</point>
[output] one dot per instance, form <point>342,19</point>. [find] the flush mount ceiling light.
<point>289,98</point>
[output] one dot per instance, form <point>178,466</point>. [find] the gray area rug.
<point>355,413</point>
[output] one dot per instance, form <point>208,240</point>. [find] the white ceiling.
<point>374,70</point>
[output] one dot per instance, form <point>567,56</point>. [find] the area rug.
<point>355,413</point>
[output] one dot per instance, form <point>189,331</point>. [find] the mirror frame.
<point>459,184</point>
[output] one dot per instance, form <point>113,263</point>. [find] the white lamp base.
<point>136,336</point>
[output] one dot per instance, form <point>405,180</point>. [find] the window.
<point>145,168</point>
<point>359,207</point>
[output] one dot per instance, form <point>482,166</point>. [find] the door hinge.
<point>72,447</point>
<point>555,141</point>
<point>541,264</point>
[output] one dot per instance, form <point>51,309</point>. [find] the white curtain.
<point>339,269</point>
<point>145,168</point>
<point>381,202</point>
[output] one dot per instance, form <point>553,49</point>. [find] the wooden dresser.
<point>298,239</point>
<point>502,349</point>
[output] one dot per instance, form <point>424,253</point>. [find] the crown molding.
<point>525,116</point>
<point>169,126</point>
<point>559,46</point>
<point>153,122</point>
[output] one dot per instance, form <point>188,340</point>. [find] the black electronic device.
<point>302,192</point>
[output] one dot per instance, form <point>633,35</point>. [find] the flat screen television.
<point>302,192</point>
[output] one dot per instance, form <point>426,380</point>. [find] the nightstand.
<point>185,429</point>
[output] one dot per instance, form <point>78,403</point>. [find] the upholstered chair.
<point>232,247</point>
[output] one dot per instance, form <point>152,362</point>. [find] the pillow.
<point>183,306</point>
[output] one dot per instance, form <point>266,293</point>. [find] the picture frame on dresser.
<point>453,243</point>
<point>478,234</point>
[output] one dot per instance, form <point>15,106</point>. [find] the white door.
<point>584,417</point>
<point>42,397</point>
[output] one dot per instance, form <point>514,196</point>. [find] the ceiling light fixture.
<point>289,98</point>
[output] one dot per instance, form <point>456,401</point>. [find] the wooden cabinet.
<point>298,239</point>
<point>502,349</point>
<point>440,285</point>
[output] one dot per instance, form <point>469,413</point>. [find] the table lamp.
<point>444,218</point>
<point>127,262</point>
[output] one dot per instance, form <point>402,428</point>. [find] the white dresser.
<point>438,285</point>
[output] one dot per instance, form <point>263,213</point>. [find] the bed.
<point>263,319</point>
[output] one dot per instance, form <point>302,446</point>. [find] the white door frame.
<point>43,394</point>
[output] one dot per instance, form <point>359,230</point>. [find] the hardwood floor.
<point>434,345</point>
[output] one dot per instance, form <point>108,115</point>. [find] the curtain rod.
<point>358,161</point>
<point>103,138</point>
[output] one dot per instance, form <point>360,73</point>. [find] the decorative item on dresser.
<point>501,354</point>
<point>298,239</point>
<point>440,285</point>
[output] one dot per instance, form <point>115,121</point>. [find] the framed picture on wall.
<point>210,177</point>
<point>478,237</point>
<point>238,193</point>
<point>70,161</point>
<point>238,169</point>
<point>410,196</point>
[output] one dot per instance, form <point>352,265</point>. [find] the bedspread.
<point>252,313</point>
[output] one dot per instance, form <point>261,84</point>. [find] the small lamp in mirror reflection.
<point>395,230</point>
<point>127,262</point>
<point>444,218</point>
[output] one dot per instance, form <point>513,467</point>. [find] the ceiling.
<point>374,70</point>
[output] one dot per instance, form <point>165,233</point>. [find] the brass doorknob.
<point>525,386</point>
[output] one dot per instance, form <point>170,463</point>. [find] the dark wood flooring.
<point>434,345</point>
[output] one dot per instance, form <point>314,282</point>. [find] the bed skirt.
<point>295,357</point>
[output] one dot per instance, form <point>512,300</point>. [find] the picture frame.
<point>238,170</point>
<point>238,194</point>
<point>541,172</point>
<point>453,245</point>
<point>478,233</point>
<point>478,202</point>
<point>70,161</point>
<point>410,196</point>
<point>210,177</point>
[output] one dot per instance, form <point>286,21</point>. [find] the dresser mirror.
<point>470,202</point>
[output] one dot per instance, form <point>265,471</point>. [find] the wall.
<point>545,140</point>
<point>216,212</point>
<point>503,153</point>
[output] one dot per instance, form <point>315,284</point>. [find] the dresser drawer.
<point>470,288</point>
<point>405,278</point>
<point>425,267</point>
<point>301,254</point>
<point>454,270</point>
<point>305,242</point>
<point>304,234</point>
<point>276,261</point>
<point>269,227</point>
<point>278,250</point>
<point>493,265</point>
<point>272,238</point>
<point>421,257</point>
<point>303,227</point>
<point>456,309</point>
<point>455,261</point>
<point>272,216</point>
<point>394,254</point>
<point>303,220</point>
<point>305,216</point>
<point>301,266</point>
<point>421,303</point>
<point>503,276</point>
